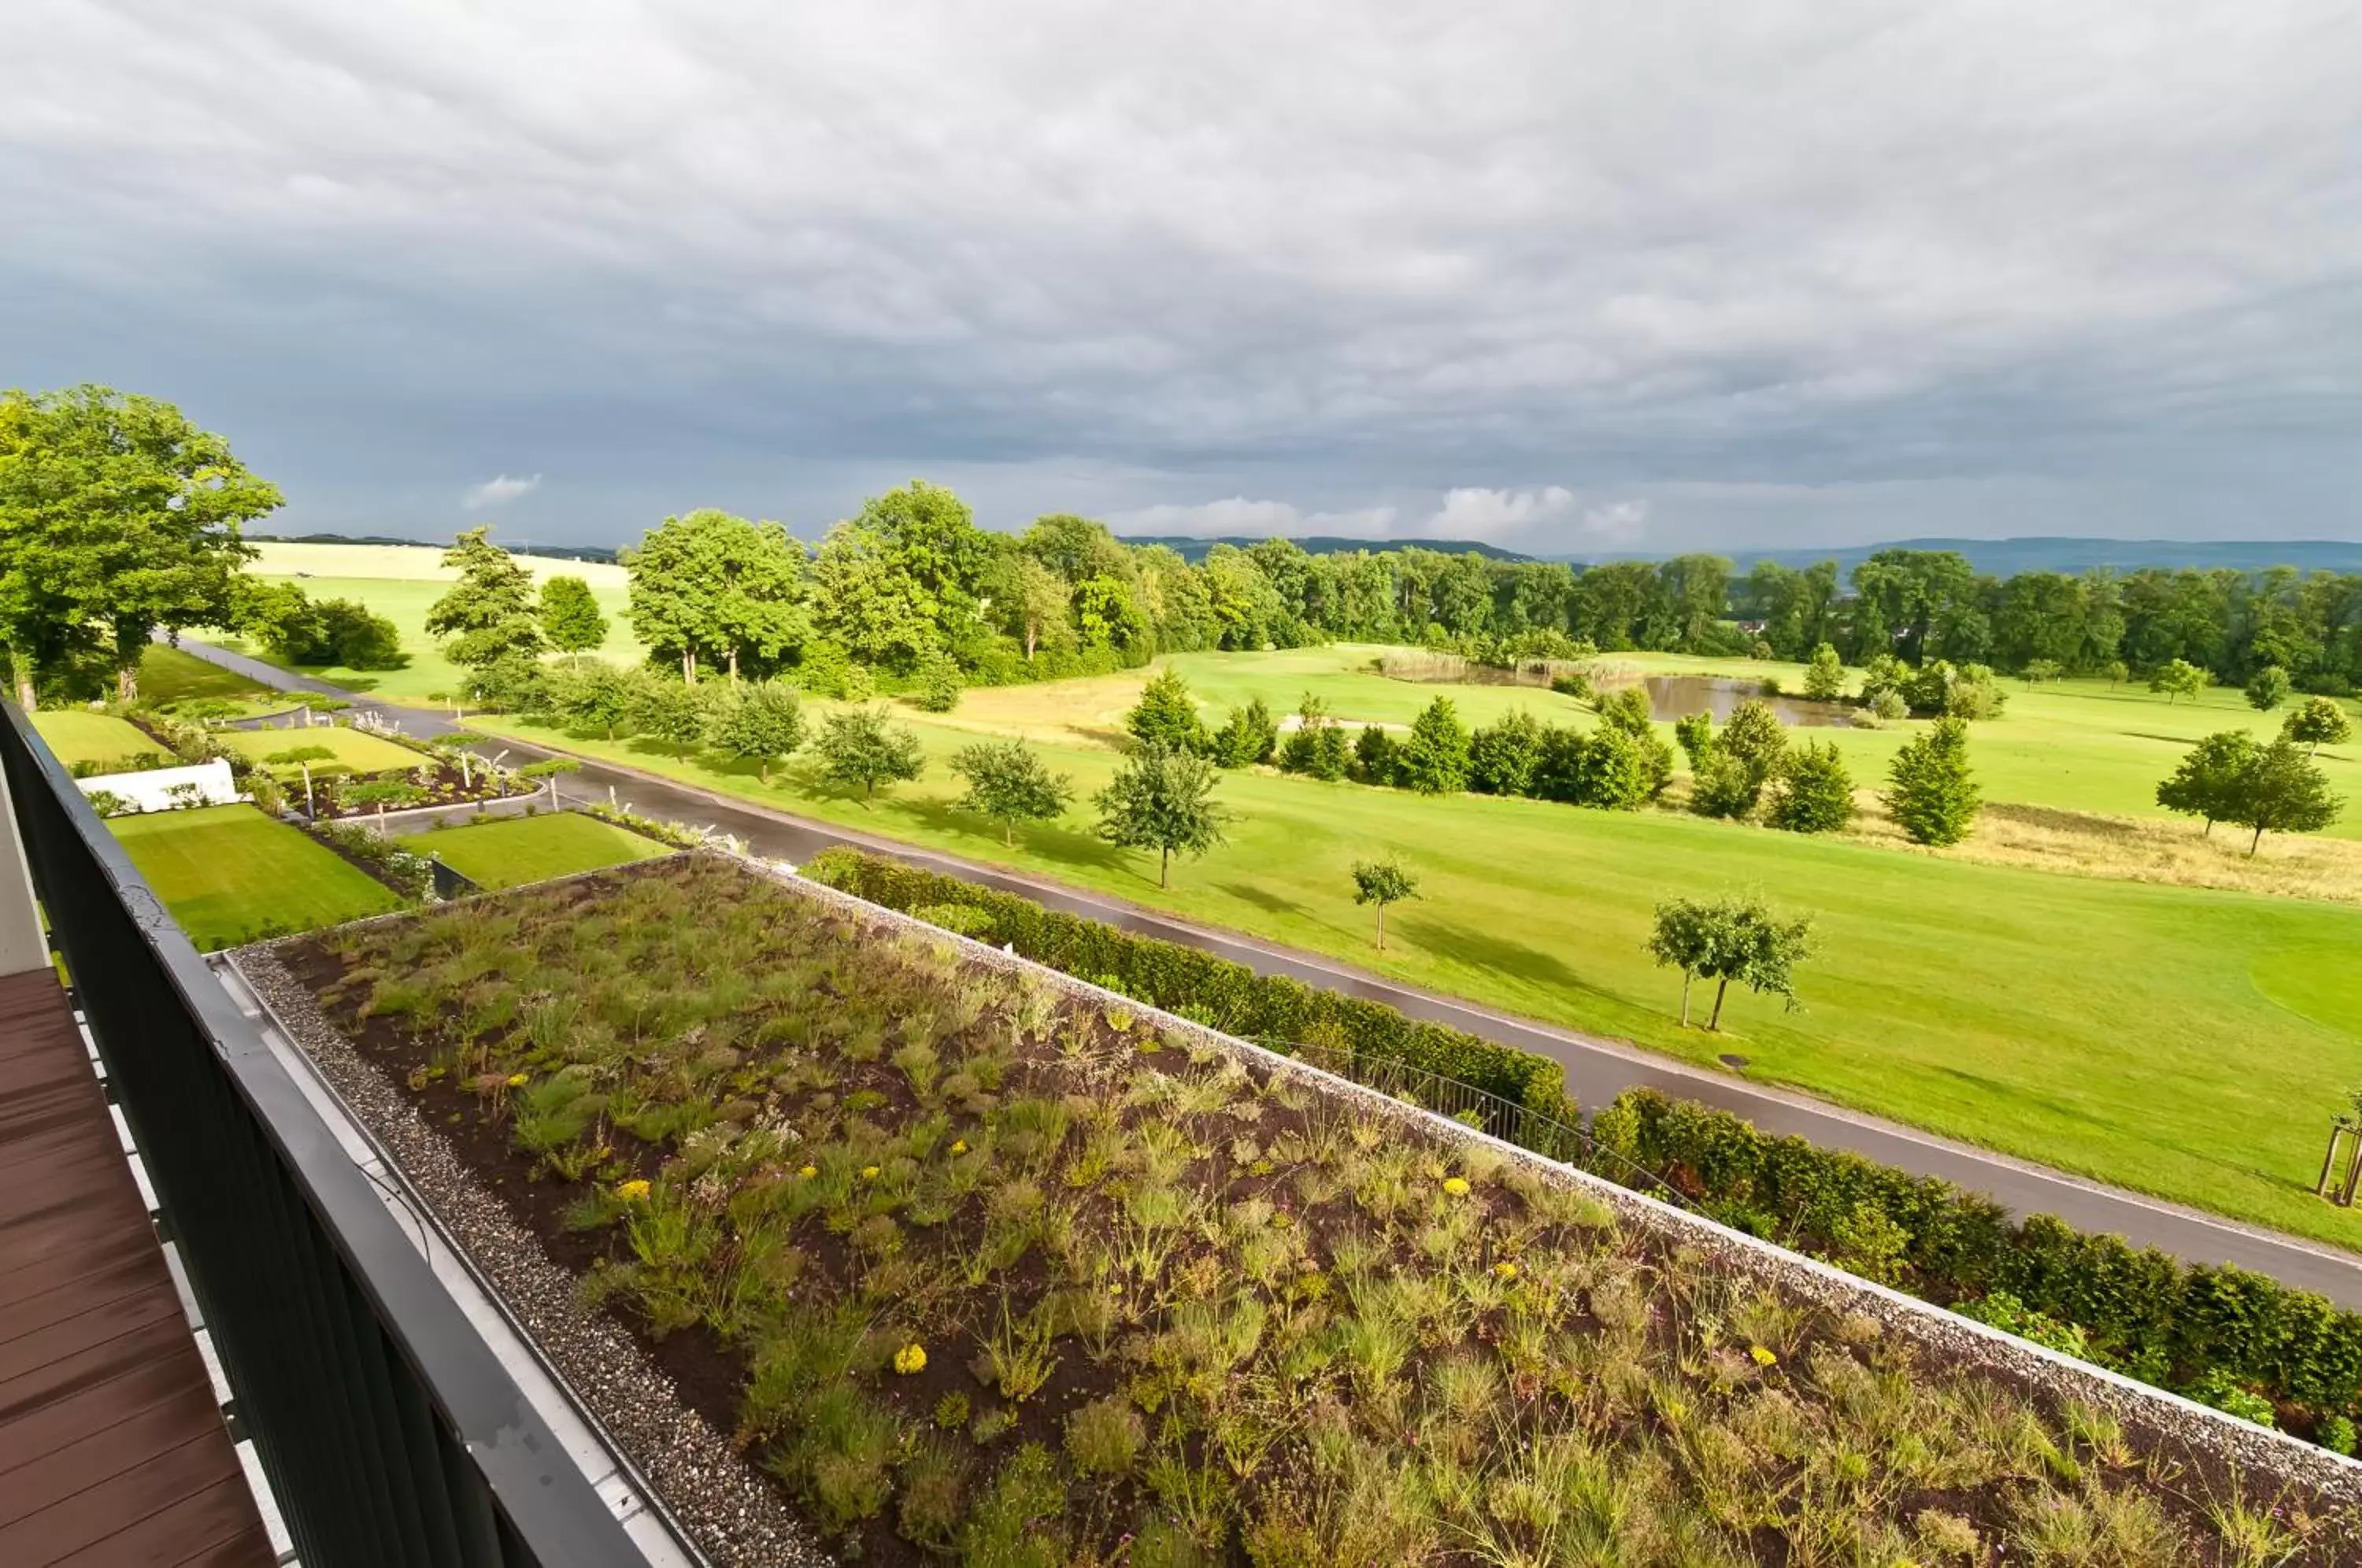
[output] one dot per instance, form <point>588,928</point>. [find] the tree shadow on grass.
<point>1262,898</point>
<point>1485,950</point>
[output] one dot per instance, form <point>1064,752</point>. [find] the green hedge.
<point>2146,1314</point>
<point>2142,1312</point>
<point>1270,1008</point>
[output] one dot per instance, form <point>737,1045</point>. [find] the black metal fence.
<point>1488,1112</point>
<point>389,1431</point>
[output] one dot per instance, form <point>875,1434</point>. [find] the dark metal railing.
<point>389,1431</point>
<point>1488,1112</point>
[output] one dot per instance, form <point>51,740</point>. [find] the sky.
<point>1568,278</point>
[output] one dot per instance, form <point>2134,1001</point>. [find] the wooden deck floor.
<point>111,1449</point>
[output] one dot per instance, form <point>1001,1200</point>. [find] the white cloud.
<point>1617,522</point>
<point>1493,514</point>
<point>498,491</point>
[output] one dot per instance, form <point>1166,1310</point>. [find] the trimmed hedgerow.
<point>2209,1332</point>
<point>1270,1008</point>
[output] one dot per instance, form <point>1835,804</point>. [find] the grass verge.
<point>229,874</point>
<point>516,850</point>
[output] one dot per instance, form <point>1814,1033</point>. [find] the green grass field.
<point>516,850</point>
<point>230,874</point>
<point>167,676</point>
<point>79,735</point>
<point>355,749</point>
<point>402,584</point>
<point>2157,1037</point>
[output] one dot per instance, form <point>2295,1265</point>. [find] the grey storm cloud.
<point>1565,276</point>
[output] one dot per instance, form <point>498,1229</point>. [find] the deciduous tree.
<point>1008,783</point>
<point>487,618</point>
<point>2269,688</point>
<point>1248,738</point>
<point>1933,794</point>
<point>2319,722</point>
<point>862,747</point>
<point>2206,782</point>
<point>1730,939</point>
<point>1501,756</point>
<point>1814,793</point>
<point>711,587</point>
<point>1382,882</point>
<point>761,720</point>
<point>597,695</point>
<point>1824,678</point>
<point>1162,799</point>
<point>570,616</point>
<point>2283,790</point>
<point>2179,677</point>
<point>670,710</point>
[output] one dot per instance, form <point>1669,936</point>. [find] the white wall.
<point>147,791</point>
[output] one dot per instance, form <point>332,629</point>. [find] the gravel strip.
<point>734,1517</point>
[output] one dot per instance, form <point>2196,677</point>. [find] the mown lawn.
<point>400,582</point>
<point>355,749</point>
<point>230,874</point>
<point>2151,1036</point>
<point>80,735</point>
<point>167,675</point>
<point>516,850</point>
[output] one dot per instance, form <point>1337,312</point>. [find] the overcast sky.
<point>1568,277</point>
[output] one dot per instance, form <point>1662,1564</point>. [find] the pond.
<point>1674,697</point>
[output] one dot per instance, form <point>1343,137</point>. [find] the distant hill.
<point>2007,557</point>
<point>553,552</point>
<point>1191,549</point>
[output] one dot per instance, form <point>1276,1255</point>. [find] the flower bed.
<point>972,1263</point>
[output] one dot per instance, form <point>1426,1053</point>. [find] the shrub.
<point>1377,757</point>
<point>1105,1436</point>
<point>1502,756</point>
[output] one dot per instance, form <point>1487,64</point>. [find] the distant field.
<point>356,749</point>
<point>402,582</point>
<point>2152,1036</point>
<point>229,874</point>
<point>516,850</point>
<point>79,735</point>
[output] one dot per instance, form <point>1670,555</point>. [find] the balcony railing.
<point>388,1428</point>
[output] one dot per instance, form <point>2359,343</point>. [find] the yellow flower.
<point>910,1358</point>
<point>1763,1357</point>
<point>632,1191</point>
<point>959,1146</point>
<point>1115,1287</point>
<point>869,1173</point>
<point>516,1080</point>
<point>809,1172</point>
<point>1456,1186</point>
<point>1504,1270</point>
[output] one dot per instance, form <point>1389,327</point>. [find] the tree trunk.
<point>763,769</point>
<point>127,682</point>
<point>309,809</point>
<point>2255,842</point>
<point>688,667</point>
<point>22,666</point>
<point>733,664</point>
<point>2210,829</point>
<point>1686,978</point>
<point>1721,989</point>
<point>1163,867</point>
<point>1381,928</point>
<point>1009,832</point>
<point>1033,630</point>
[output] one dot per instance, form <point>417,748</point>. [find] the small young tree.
<point>2318,721</point>
<point>670,711</point>
<point>382,793</point>
<point>1008,783</point>
<point>1502,754</point>
<point>1814,793</point>
<point>2179,677</point>
<point>2283,790</point>
<point>1730,939</point>
<point>2117,672</point>
<point>1377,756</point>
<point>2206,782</point>
<point>1162,799</point>
<point>760,720</point>
<point>1166,715</point>
<point>1627,711</point>
<point>1435,758</point>
<point>2269,688</point>
<point>1754,740</point>
<point>1248,738</point>
<point>550,770</point>
<point>938,685</point>
<point>1382,882</point>
<point>1934,795</point>
<point>1824,678</point>
<point>1690,936</point>
<point>302,757</point>
<point>570,617</point>
<point>2038,670</point>
<point>597,696</point>
<point>453,748</point>
<point>860,747</point>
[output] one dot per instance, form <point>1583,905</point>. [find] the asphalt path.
<point>1597,1069</point>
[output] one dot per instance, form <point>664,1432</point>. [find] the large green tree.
<point>118,516</point>
<point>2283,790</point>
<point>761,720</point>
<point>2206,782</point>
<point>2318,721</point>
<point>487,618</point>
<point>1434,758</point>
<point>710,587</point>
<point>1162,799</point>
<point>869,604</point>
<point>1008,783</point>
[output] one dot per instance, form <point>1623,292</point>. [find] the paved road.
<point>1596,1070</point>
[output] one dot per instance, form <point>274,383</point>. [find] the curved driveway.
<point>1596,1070</point>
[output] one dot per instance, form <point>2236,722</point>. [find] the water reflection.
<point>1674,697</point>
